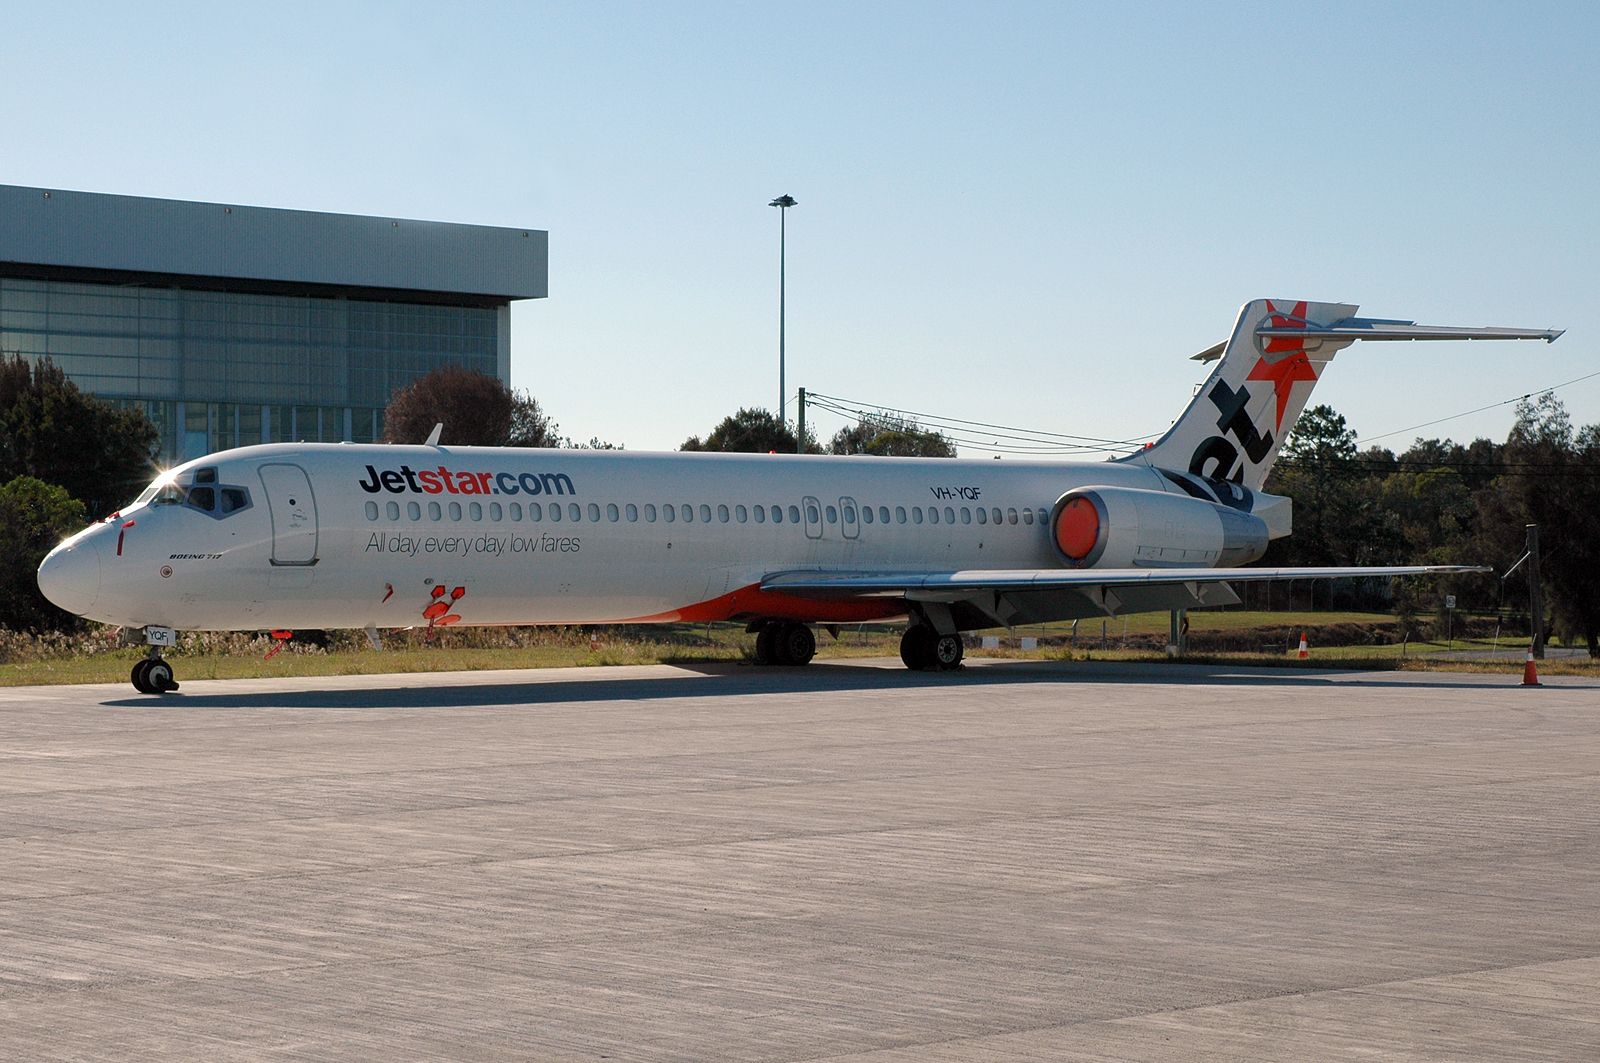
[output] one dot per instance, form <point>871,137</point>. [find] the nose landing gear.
<point>153,675</point>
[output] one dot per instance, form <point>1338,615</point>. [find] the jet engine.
<point>1124,527</point>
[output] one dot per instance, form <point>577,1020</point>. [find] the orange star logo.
<point>1295,366</point>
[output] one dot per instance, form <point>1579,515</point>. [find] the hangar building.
<point>232,325</point>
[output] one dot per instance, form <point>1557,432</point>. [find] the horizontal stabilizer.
<point>1367,328</point>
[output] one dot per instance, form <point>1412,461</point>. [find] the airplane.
<point>381,536</point>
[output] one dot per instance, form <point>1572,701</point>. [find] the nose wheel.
<point>153,675</point>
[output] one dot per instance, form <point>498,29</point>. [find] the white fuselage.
<point>345,535</point>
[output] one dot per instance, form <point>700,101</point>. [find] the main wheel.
<point>796,644</point>
<point>158,676</point>
<point>766,649</point>
<point>916,647</point>
<point>140,677</point>
<point>947,652</point>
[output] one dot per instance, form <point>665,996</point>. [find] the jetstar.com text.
<point>449,482</point>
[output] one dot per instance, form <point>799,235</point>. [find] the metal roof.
<point>173,238</point>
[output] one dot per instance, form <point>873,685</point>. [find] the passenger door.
<point>294,515</point>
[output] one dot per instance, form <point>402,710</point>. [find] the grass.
<point>93,658</point>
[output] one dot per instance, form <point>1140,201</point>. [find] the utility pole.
<point>1535,592</point>
<point>800,440</point>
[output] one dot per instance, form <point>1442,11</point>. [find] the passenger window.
<point>535,511</point>
<point>933,514</point>
<point>650,512</point>
<point>1027,516</point>
<point>413,510</point>
<point>474,510</point>
<point>883,514</point>
<point>613,514</point>
<point>392,510</point>
<point>633,513</point>
<point>594,512</point>
<point>741,514</point>
<point>573,512</point>
<point>996,515</point>
<point>234,499</point>
<point>433,511</point>
<point>372,511</point>
<point>899,514</point>
<point>1044,516</point>
<point>866,514</point>
<point>722,513</point>
<point>495,512</point>
<point>705,513</point>
<point>794,514</point>
<point>555,511</point>
<point>811,514</point>
<point>916,514</point>
<point>966,515</point>
<point>833,514</point>
<point>850,514</point>
<point>670,512</point>
<point>203,498</point>
<point>949,515</point>
<point>777,514</point>
<point>516,510</point>
<point>1011,516</point>
<point>455,511</point>
<point>686,511</point>
<point>761,514</point>
<point>983,515</point>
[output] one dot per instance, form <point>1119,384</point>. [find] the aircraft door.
<point>849,518</point>
<point>811,510</point>
<point>294,515</point>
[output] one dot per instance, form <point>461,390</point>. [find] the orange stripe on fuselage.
<point>751,602</point>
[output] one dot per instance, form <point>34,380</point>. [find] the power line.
<point>1480,409</point>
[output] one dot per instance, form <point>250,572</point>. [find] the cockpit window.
<point>233,500</point>
<point>203,498</point>
<point>205,476</point>
<point>199,490</point>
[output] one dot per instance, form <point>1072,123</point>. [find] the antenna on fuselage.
<point>433,436</point>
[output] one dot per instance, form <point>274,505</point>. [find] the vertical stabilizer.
<point>1238,419</point>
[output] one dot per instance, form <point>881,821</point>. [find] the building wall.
<point>215,369</point>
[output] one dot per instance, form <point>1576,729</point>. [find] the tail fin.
<point>1279,348</point>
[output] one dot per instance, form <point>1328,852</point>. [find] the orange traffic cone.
<point>1530,674</point>
<point>1303,653</point>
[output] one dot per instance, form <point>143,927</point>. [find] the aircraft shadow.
<point>410,691</point>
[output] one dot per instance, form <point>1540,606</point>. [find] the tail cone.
<point>1530,673</point>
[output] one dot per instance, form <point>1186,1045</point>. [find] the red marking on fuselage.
<point>751,602</point>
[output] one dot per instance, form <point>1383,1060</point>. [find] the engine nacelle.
<point>1125,527</point>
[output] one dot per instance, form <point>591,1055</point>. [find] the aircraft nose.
<point>70,575</point>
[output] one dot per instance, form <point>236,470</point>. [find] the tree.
<point>476,409</point>
<point>49,429</point>
<point>891,437</point>
<point>750,431</point>
<point>1552,479</point>
<point>34,517</point>
<point>530,426</point>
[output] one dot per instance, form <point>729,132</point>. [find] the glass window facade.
<point>222,369</point>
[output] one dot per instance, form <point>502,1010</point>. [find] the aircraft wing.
<point>1017,596</point>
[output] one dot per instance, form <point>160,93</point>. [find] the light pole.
<point>783,203</point>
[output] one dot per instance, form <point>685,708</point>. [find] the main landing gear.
<point>153,675</point>
<point>925,650</point>
<point>785,642</point>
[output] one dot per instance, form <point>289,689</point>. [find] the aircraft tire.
<point>796,645</point>
<point>158,676</point>
<point>140,681</point>
<point>766,644</point>
<point>916,647</point>
<point>947,652</point>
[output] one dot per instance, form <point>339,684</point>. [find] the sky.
<point>1024,214</point>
